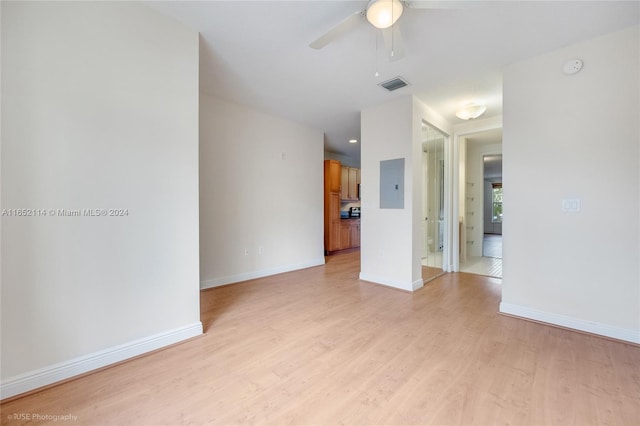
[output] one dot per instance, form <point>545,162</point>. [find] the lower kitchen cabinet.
<point>332,216</point>
<point>355,232</point>
<point>345,234</point>
<point>349,233</point>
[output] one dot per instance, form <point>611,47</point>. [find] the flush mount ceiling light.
<point>383,13</point>
<point>353,140</point>
<point>471,111</point>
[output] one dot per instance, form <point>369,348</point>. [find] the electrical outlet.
<point>246,252</point>
<point>260,250</point>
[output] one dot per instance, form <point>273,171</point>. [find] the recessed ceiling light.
<point>353,140</point>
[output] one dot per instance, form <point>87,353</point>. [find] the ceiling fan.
<point>382,14</point>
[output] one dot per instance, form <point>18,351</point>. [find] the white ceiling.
<point>256,53</point>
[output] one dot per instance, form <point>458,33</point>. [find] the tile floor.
<point>491,263</point>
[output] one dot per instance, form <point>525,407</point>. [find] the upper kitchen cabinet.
<point>332,175</point>
<point>350,180</point>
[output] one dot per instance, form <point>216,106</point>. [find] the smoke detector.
<point>572,67</point>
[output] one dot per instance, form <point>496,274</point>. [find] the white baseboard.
<point>216,282</point>
<point>64,370</point>
<point>401,285</point>
<point>417,284</point>
<point>627,335</point>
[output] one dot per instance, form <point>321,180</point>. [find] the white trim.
<point>477,126</point>
<point>627,335</point>
<point>64,370</point>
<point>216,282</point>
<point>417,284</point>
<point>450,221</point>
<point>401,285</point>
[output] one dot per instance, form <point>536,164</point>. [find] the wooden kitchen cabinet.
<point>344,183</point>
<point>355,232</point>
<point>349,181</point>
<point>349,233</point>
<point>334,242</point>
<point>345,234</point>
<point>331,206</point>
<point>332,181</point>
<point>339,234</point>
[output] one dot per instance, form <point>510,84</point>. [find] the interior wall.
<point>391,239</point>
<point>462,199</point>
<point>261,194</point>
<point>386,234</point>
<point>99,116</point>
<point>574,137</point>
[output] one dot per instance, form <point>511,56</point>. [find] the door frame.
<point>453,230</point>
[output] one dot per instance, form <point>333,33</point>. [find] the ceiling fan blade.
<point>335,32</point>
<point>393,42</point>
<point>432,4</point>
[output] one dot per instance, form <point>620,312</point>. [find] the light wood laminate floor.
<point>320,347</point>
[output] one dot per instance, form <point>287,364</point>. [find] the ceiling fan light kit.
<point>384,13</point>
<point>471,111</point>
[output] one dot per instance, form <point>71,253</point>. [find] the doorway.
<point>481,202</point>
<point>433,174</point>
<point>492,239</point>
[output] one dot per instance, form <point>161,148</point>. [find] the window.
<point>496,211</point>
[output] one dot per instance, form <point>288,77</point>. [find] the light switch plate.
<point>571,205</point>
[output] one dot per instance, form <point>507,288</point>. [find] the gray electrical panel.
<point>392,184</point>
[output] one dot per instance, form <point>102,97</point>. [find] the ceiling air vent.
<point>393,84</point>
